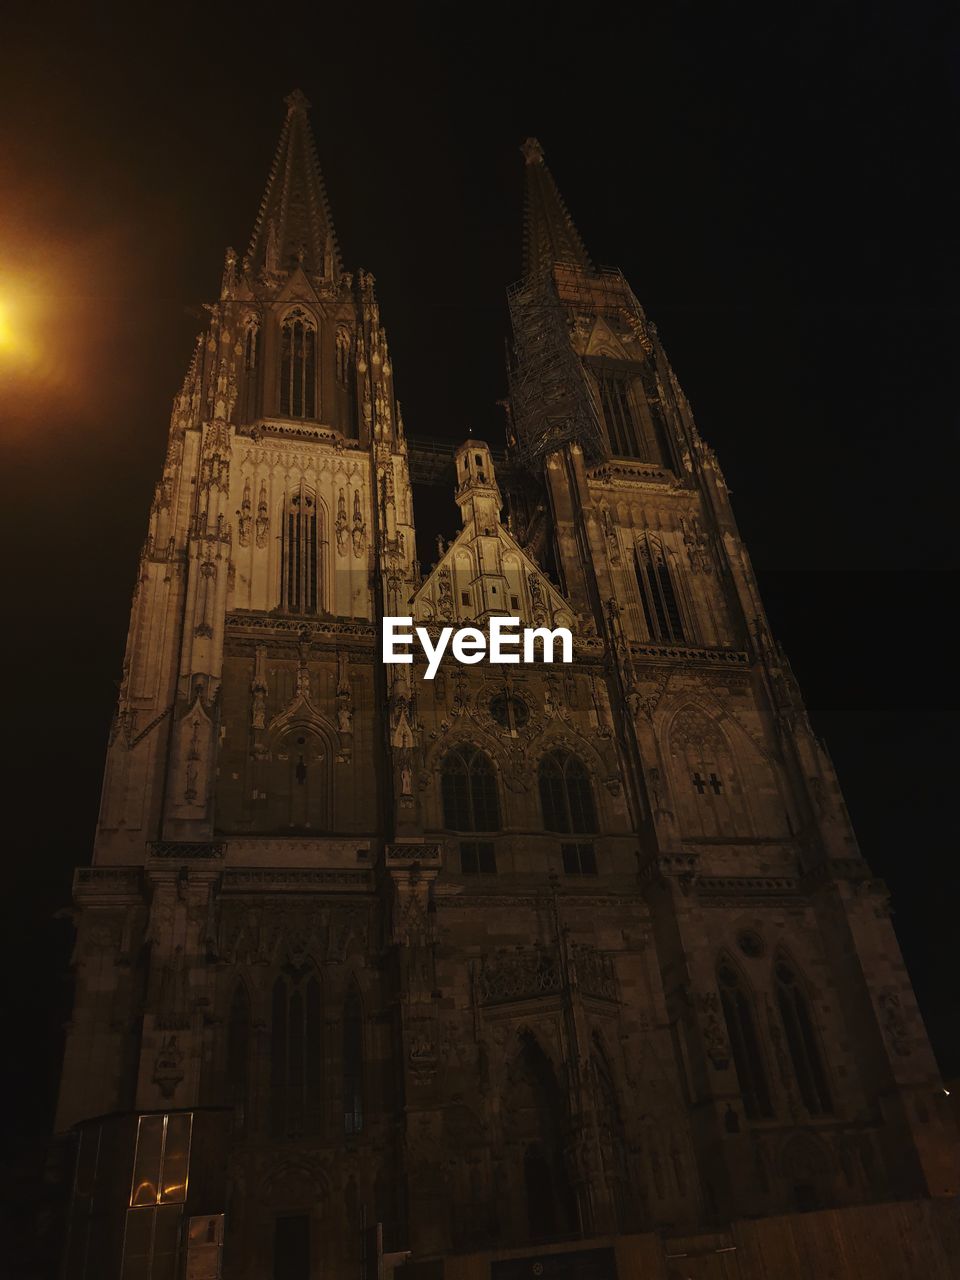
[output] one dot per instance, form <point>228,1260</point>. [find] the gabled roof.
<point>437,598</point>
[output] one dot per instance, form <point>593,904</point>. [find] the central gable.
<point>477,577</point>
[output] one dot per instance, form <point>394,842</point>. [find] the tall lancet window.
<point>296,1053</point>
<point>661,610</point>
<point>626,440</point>
<point>655,408</point>
<point>352,1061</point>
<point>802,1041</point>
<point>301,558</point>
<point>298,366</point>
<point>740,1017</point>
<point>632,411</point>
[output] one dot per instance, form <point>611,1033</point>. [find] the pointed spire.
<point>549,234</point>
<point>294,224</point>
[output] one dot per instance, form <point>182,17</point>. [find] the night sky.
<point>774,181</point>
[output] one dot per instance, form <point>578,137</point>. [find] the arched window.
<point>738,1012</point>
<point>566,798</point>
<point>469,789</point>
<point>632,410</point>
<point>238,1051</point>
<point>301,561</point>
<point>566,795</point>
<point>298,366</point>
<point>802,1041</point>
<point>352,1061</point>
<point>619,413</point>
<point>661,611</point>
<point>655,409</point>
<point>296,1041</point>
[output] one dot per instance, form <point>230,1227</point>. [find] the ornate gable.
<point>469,585</point>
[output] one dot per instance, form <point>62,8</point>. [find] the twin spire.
<point>294,224</point>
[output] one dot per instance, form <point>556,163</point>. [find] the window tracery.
<point>566,795</point>
<point>469,791</point>
<point>301,552</point>
<point>298,366</point>
<point>661,610</point>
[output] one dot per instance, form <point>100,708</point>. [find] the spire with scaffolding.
<point>549,233</point>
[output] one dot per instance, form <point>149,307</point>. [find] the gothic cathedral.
<point>562,970</point>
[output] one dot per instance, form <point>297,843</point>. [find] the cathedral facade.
<point>571,967</point>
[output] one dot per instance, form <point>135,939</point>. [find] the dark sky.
<point>776,183</point>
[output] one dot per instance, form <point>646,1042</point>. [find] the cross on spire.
<point>549,233</point>
<point>294,224</point>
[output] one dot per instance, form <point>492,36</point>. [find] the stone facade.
<point>520,955</point>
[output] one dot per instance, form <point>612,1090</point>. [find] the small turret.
<point>477,494</point>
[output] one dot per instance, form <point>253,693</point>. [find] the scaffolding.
<point>550,395</point>
<point>603,292</point>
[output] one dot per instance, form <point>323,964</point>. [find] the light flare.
<point>18,324</point>
<point>11,339</point>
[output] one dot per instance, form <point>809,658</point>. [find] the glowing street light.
<point>7,335</point>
